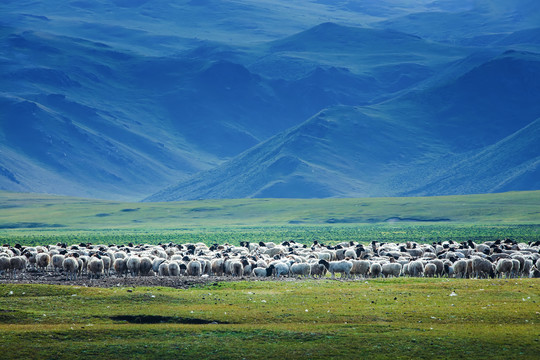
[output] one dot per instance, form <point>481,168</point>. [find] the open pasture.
<point>308,319</point>
<point>391,318</point>
<point>34,219</point>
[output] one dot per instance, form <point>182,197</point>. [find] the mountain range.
<point>164,101</point>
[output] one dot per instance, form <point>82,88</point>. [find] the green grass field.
<point>392,318</point>
<point>42,219</point>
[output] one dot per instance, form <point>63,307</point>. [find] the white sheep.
<point>194,268</point>
<point>360,268</point>
<point>133,264</point>
<point>163,269</point>
<point>17,263</point>
<point>278,269</point>
<point>375,269</point>
<point>392,269</point>
<point>504,266</point>
<point>120,266</point>
<point>42,260</point>
<point>71,267</point>
<point>4,265</point>
<point>95,266</point>
<point>236,268</point>
<point>460,268</point>
<point>300,269</point>
<point>261,272</point>
<point>430,270</point>
<point>57,261</point>
<point>174,269</point>
<point>145,266</point>
<point>416,268</point>
<point>343,267</point>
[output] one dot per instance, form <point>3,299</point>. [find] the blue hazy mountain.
<point>474,134</point>
<point>120,99</point>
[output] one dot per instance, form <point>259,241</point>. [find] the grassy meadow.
<point>33,219</point>
<point>392,318</point>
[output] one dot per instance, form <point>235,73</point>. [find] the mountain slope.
<point>395,147</point>
<point>510,164</point>
<point>340,152</point>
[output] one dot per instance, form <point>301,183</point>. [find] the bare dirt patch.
<point>181,282</point>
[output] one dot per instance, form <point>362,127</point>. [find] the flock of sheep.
<point>500,258</point>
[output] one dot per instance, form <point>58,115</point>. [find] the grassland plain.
<point>391,318</point>
<point>33,219</point>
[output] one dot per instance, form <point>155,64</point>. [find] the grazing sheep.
<point>163,269</point>
<point>145,266</point>
<point>174,269</point>
<point>71,267</point>
<point>95,266</point>
<point>107,264</point>
<point>279,269</point>
<point>301,269</point>
<point>120,267</point>
<point>17,263</point>
<point>416,268</point>
<point>4,265</point>
<point>460,268</point>
<point>482,268</point>
<point>527,266</point>
<point>440,267</point>
<point>317,270</point>
<point>343,267</point>
<point>156,263</point>
<point>504,266</point>
<point>375,270</point>
<point>516,265</point>
<point>42,261</point>
<point>430,270</point>
<point>217,267</point>
<point>360,268</point>
<point>57,261</point>
<point>391,269</point>
<point>260,272</point>
<point>194,268</point>
<point>133,264</point>
<point>324,256</point>
<point>236,268</point>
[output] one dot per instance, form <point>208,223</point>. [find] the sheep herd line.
<point>500,258</point>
